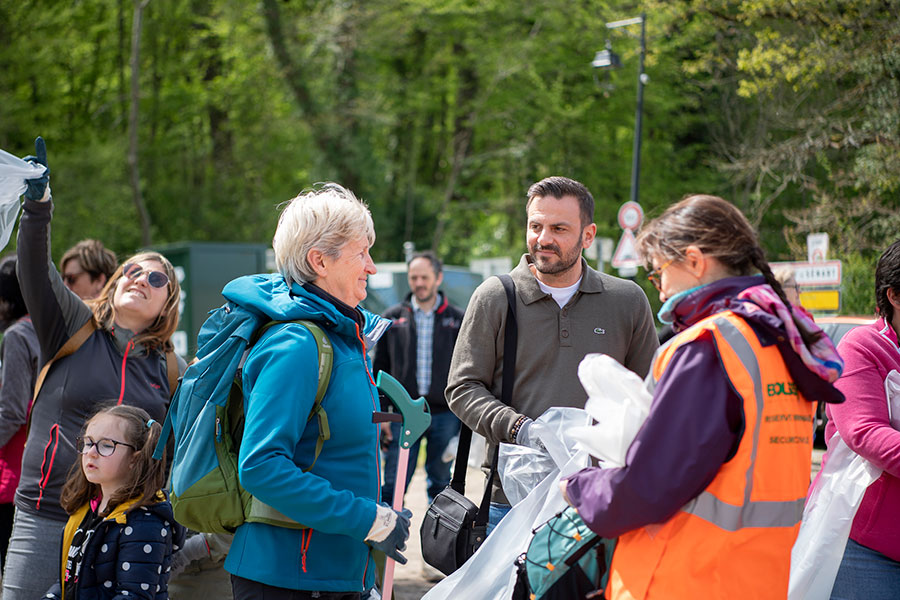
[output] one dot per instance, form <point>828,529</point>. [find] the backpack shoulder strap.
<point>172,372</point>
<point>72,344</point>
<point>326,360</point>
<point>325,353</point>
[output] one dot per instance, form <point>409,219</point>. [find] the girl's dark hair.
<point>887,277</point>
<point>13,305</point>
<point>718,229</point>
<point>146,475</point>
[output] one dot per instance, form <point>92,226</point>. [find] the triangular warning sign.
<point>626,252</point>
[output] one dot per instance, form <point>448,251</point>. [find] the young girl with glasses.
<point>121,532</point>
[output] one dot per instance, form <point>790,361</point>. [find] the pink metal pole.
<point>399,491</point>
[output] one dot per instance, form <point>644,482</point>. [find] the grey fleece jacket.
<point>104,368</point>
<point>607,315</point>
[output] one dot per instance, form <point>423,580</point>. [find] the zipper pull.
<point>218,430</point>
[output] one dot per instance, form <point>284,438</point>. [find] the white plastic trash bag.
<point>490,573</point>
<point>618,401</point>
<point>830,509</point>
<point>521,469</point>
<point>892,392</point>
<point>13,173</point>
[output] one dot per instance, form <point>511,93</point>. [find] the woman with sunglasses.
<point>122,351</point>
<point>710,500</point>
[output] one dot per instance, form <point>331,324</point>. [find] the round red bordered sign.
<point>631,215</point>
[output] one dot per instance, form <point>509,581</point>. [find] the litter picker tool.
<point>414,417</point>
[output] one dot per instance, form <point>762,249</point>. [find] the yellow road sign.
<point>821,299</point>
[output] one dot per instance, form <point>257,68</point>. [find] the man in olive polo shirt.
<point>565,310</point>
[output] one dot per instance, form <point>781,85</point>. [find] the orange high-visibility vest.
<point>732,541</point>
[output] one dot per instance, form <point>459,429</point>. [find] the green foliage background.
<point>441,113</point>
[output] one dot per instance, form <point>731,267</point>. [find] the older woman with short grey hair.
<point>322,255</point>
<point>325,220</point>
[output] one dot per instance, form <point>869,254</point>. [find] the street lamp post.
<point>606,59</point>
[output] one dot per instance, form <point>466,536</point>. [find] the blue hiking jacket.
<point>337,498</point>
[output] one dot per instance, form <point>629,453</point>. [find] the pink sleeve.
<point>862,420</point>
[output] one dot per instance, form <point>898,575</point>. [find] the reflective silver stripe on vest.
<point>650,381</point>
<point>752,514</point>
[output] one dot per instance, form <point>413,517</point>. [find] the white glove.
<point>194,548</point>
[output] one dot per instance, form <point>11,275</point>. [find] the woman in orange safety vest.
<point>710,500</point>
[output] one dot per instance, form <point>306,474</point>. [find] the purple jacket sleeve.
<point>695,423</point>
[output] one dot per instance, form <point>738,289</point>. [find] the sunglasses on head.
<point>156,279</point>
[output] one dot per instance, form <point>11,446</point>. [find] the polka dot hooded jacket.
<point>129,555</point>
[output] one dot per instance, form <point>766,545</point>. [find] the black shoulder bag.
<point>454,527</point>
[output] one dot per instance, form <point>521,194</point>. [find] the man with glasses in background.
<point>86,267</point>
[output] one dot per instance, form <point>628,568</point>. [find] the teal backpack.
<point>564,560</point>
<point>206,417</point>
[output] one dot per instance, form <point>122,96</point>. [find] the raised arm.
<point>56,312</point>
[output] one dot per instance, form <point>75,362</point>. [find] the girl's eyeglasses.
<point>156,279</point>
<point>105,446</point>
<point>655,276</point>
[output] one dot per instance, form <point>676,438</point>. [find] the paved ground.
<point>409,581</point>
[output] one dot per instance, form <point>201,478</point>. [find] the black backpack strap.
<point>510,339</point>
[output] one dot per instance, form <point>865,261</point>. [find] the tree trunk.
<point>332,124</point>
<point>464,127</point>
<point>134,173</point>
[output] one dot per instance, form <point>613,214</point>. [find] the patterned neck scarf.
<point>820,357</point>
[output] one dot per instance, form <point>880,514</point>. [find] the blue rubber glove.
<point>37,187</point>
<point>396,539</point>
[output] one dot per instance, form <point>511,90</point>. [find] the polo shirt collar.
<point>529,290</point>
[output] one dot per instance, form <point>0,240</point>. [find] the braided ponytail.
<point>758,258</point>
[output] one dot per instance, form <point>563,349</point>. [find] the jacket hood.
<point>270,295</point>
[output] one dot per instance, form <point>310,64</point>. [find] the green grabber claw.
<point>416,414</point>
